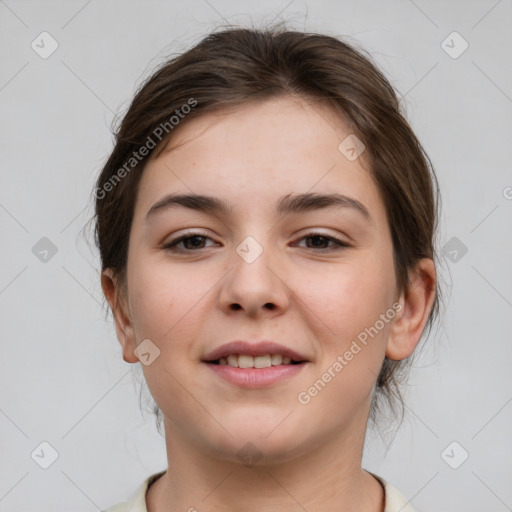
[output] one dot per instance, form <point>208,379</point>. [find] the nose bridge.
<point>253,282</point>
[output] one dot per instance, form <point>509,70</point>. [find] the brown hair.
<point>237,65</point>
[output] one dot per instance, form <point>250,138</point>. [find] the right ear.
<point>115,296</point>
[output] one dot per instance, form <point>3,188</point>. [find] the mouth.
<point>262,354</point>
<point>255,365</point>
<point>248,361</point>
<point>255,372</point>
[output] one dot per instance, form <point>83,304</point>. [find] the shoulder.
<point>120,507</point>
<point>137,500</point>
<point>395,501</point>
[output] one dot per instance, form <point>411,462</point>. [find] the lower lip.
<point>256,377</point>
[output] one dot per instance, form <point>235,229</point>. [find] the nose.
<point>255,287</point>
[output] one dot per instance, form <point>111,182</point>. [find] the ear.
<point>117,300</point>
<point>416,304</point>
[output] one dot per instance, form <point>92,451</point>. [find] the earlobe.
<point>417,302</point>
<point>122,320</point>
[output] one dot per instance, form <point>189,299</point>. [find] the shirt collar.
<point>395,501</point>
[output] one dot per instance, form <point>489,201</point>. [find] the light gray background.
<point>62,377</point>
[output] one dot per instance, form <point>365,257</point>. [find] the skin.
<point>322,299</point>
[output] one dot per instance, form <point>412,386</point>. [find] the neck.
<point>328,477</point>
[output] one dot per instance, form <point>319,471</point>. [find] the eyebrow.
<point>296,203</point>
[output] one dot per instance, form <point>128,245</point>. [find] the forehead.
<point>256,153</point>
<point>269,128</point>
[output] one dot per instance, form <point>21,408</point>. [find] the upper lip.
<point>260,348</point>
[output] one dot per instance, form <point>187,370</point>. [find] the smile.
<point>247,361</point>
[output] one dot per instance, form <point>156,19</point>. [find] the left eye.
<point>195,241</point>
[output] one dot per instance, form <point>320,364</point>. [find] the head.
<point>273,124</point>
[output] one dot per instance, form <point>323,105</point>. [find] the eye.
<point>194,241</point>
<point>190,241</point>
<point>319,239</point>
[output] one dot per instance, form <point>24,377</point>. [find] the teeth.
<point>233,361</point>
<point>262,361</point>
<point>244,361</point>
<point>277,359</point>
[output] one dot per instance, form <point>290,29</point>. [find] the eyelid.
<point>189,232</point>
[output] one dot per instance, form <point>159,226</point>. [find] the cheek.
<point>352,337</point>
<point>165,298</point>
<point>349,297</point>
<point>166,302</point>
<point>351,340</point>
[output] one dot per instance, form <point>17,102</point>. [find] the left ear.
<point>416,303</point>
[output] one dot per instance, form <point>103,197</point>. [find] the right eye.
<point>191,242</point>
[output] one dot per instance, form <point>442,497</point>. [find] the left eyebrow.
<point>287,204</point>
<point>312,201</point>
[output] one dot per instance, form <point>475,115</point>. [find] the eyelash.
<point>171,246</point>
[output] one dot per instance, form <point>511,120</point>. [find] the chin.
<point>258,443</point>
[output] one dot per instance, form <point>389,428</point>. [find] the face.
<point>314,276</point>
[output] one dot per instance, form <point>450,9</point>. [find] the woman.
<point>266,224</point>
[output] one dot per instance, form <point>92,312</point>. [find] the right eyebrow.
<point>197,202</point>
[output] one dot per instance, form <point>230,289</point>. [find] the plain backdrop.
<point>65,391</point>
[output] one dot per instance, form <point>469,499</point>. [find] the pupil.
<point>195,240</point>
<point>317,240</point>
